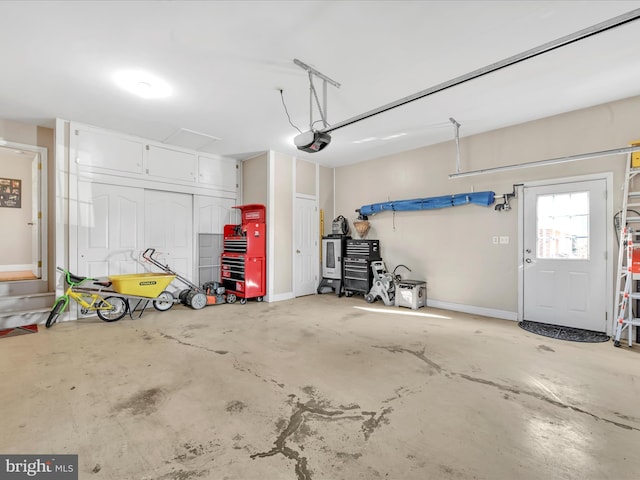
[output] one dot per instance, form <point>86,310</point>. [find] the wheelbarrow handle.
<point>148,253</point>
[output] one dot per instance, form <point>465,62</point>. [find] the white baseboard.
<point>279,297</point>
<point>485,312</point>
<point>15,268</point>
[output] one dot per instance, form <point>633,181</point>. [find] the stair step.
<point>9,289</point>
<point>26,302</point>
<point>26,317</point>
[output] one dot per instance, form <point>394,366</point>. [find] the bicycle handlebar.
<point>68,275</point>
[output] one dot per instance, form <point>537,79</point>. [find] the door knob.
<point>297,251</point>
<point>528,260</point>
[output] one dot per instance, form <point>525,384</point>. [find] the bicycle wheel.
<point>57,309</point>
<point>164,301</point>
<point>113,314</point>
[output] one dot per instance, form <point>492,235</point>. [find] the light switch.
<point>504,240</point>
<point>495,240</point>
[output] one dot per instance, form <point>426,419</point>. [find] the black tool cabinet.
<point>358,276</point>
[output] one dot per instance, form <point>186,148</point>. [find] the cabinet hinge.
<point>39,165</point>
<point>77,132</point>
<point>39,214</point>
<point>39,263</point>
<point>146,147</point>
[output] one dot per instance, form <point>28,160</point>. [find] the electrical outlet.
<point>504,240</point>
<point>496,240</point>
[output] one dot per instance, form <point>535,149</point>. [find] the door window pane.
<point>562,222</point>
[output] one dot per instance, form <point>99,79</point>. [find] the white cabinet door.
<point>92,148</point>
<point>169,229</point>
<point>218,172</point>
<point>110,229</point>
<point>171,164</point>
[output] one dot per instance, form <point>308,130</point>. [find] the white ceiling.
<point>225,62</point>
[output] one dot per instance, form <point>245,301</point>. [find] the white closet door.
<point>213,213</point>
<point>110,229</point>
<point>305,260</point>
<point>169,229</point>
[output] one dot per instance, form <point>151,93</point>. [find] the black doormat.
<point>564,333</point>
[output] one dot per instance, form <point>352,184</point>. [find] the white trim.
<point>520,253</point>
<point>608,178</point>
<point>474,310</point>
<point>334,193</point>
<point>44,211</point>
<point>281,297</point>
<point>318,185</point>
<point>302,195</point>
<point>60,203</point>
<point>150,184</point>
<point>294,195</point>
<point>610,254</point>
<point>271,180</point>
<point>41,156</point>
<point>576,178</point>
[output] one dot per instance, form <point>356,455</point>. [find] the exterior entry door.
<point>305,246</point>
<point>564,277</point>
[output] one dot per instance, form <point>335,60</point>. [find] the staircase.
<point>24,303</point>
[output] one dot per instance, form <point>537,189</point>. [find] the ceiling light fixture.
<point>142,84</point>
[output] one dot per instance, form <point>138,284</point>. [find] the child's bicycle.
<point>108,309</point>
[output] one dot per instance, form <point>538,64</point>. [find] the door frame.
<point>39,198</point>
<point>608,177</point>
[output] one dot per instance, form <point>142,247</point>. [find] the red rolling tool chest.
<point>243,262</point>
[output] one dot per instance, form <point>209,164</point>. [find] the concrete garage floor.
<point>320,388</point>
